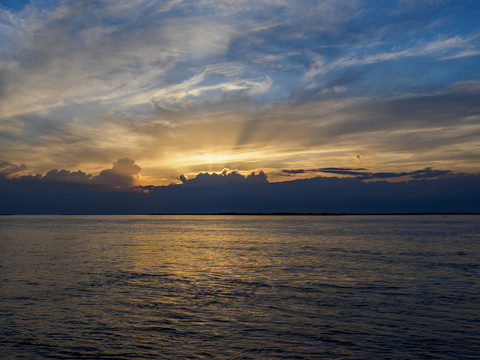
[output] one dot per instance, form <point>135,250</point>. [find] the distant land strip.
<point>318,214</point>
<point>255,214</point>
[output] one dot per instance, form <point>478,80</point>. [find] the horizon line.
<point>254,214</point>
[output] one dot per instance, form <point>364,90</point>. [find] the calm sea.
<point>239,287</point>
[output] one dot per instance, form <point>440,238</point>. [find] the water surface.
<point>239,287</point>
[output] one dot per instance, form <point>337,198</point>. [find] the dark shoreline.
<point>260,214</point>
<point>313,214</point>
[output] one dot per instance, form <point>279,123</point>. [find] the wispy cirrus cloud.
<point>62,59</point>
<point>437,48</point>
<point>462,54</point>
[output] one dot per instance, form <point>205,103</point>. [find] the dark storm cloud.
<point>418,174</point>
<point>63,175</point>
<point>429,173</point>
<point>124,173</point>
<point>299,171</point>
<point>214,194</point>
<point>226,177</point>
<point>338,171</point>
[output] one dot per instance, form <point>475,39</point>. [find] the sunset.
<point>238,179</point>
<point>184,87</point>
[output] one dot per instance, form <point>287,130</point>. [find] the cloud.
<point>83,52</point>
<point>364,174</point>
<point>63,175</point>
<point>462,54</point>
<point>193,92</point>
<point>435,47</point>
<point>225,177</point>
<point>9,169</point>
<point>429,173</point>
<point>297,171</point>
<point>438,129</point>
<point>78,53</point>
<point>337,171</point>
<point>233,192</point>
<point>124,173</point>
<point>189,86</point>
<point>341,171</point>
<point>196,38</point>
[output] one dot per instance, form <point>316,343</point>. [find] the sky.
<point>151,93</point>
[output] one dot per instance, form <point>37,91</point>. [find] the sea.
<point>240,287</point>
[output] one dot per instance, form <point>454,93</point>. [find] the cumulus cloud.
<point>63,175</point>
<point>225,177</point>
<point>124,173</point>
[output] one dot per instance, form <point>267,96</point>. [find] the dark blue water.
<point>239,287</point>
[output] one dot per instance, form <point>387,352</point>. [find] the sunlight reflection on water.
<point>244,287</point>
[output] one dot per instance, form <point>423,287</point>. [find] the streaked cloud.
<point>9,169</point>
<point>462,54</point>
<point>364,174</point>
<point>434,48</point>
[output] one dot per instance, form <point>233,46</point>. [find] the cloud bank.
<point>123,174</point>
<point>114,191</point>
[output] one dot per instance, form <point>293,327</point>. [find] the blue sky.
<point>184,87</point>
